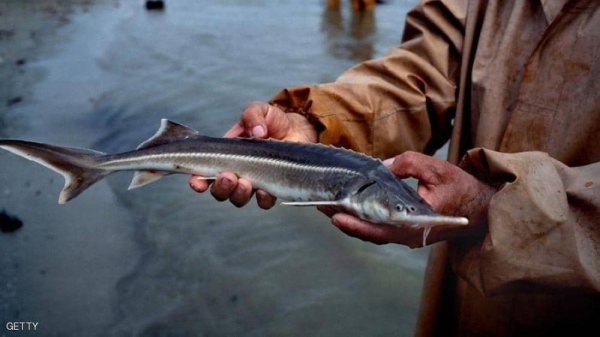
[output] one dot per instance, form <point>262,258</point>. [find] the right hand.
<point>259,120</point>
<point>446,187</point>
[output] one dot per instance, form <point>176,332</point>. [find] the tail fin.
<point>75,165</point>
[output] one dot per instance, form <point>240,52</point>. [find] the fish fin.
<point>167,132</point>
<point>206,178</point>
<point>312,203</point>
<point>141,178</point>
<point>77,166</point>
<point>145,177</point>
<point>426,232</point>
<point>429,220</point>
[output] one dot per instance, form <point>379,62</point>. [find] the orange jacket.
<point>515,87</point>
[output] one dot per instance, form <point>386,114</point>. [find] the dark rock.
<point>14,101</point>
<point>155,4</point>
<point>9,223</point>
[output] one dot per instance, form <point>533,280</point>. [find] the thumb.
<point>252,123</point>
<point>261,120</point>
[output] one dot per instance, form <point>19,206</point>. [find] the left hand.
<point>259,120</point>
<point>447,188</point>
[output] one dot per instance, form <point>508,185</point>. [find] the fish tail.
<point>77,166</point>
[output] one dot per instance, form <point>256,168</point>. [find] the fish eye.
<point>399,207</point>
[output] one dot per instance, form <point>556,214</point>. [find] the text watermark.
<point>22,326</point>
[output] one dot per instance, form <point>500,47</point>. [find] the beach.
<point>163,260</point>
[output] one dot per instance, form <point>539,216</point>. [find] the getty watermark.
<point>22,326</point>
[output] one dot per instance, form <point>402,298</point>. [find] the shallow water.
<point>162,260</point>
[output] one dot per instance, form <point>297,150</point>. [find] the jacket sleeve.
<point>544,225</point>
<point>402,101</point>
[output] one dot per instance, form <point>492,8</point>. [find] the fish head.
<point>387,199</point>
<point>381,203</point>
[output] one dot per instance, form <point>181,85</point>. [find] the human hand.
<point>259,120</point>
<point>447,188</point>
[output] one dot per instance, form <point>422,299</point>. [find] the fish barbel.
<point>299,173</point>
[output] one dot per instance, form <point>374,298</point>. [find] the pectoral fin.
<point>312,203</point>
<point>206,178</point>
<point>141,178</point>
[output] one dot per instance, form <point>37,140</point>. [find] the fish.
<point>300,174</point>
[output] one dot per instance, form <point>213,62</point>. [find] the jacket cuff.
<point>316,105</point>
<point>542,227</point>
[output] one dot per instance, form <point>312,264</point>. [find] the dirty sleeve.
<point>402,101</point>
<point>544,225</point>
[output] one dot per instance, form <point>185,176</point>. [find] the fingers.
<point>417,165</point>
<point>261,120</point>
<point>445,187</point>
<point>198,184</point>
<point>228,186</point>
<point>265,200</point>
<point>242,193</point>
<point>239,191</point>
<point>376,233</point>
<point>330,211</point>
<point>254,119</point>
<point>224,186</point>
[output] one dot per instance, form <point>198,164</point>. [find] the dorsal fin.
<point>167,132</point>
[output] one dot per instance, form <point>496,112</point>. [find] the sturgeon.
<point>301,174</point>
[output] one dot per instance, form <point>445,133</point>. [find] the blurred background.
<point>163,260</point>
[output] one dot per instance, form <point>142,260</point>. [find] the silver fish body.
<point>301,174</point>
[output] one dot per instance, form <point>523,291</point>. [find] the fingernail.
<point>226,183</point>
<point>388,162</point>
<point>258,131</point>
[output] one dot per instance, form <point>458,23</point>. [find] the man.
<point>515,86</point>
<point>357,5</point>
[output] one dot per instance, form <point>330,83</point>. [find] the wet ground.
<point>162,260</point>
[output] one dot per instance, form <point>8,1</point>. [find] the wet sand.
<point>47,277</point>
<point>163,260</point>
